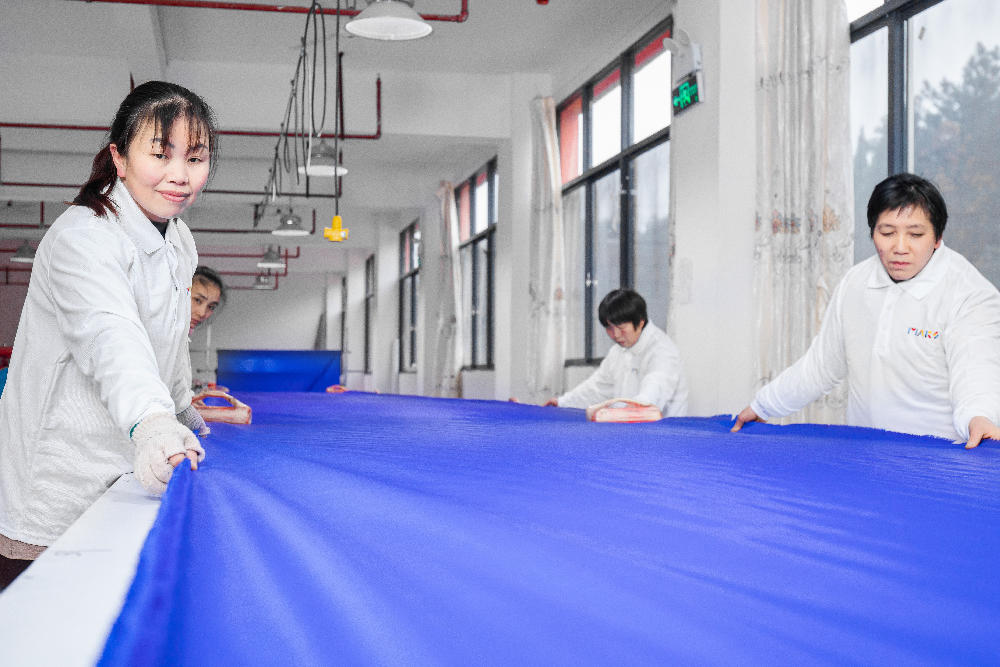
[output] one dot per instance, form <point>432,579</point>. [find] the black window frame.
<point>409,246</point>
<point>591,174</point>
<point>473,245</point>
<point>370,282</point>
<point>893,15</point>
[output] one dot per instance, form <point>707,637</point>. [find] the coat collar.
<point>645,339</point>
<point>135,223</point>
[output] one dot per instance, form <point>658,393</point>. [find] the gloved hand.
<point>157,438</point>
<point>191,418</point>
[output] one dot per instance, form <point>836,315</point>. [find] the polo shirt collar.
<point>919,285</point>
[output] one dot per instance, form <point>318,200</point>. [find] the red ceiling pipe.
<point>255,193</point>
<point>285,9</point>
<point>209,230</point>
<point>235,133</point>
<point>253,273</point>
<point>258,255</point>
<point>41,219</point>
<point>7,281</point>
<point>13,250</point>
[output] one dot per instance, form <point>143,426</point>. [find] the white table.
<point>60,610</point>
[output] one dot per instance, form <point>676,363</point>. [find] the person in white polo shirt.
<point>644,365</point>
<point>915,330</point>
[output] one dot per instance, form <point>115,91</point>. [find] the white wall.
<point>713,168</point>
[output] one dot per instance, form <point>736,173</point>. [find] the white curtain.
<point>804,211</point>
<point>445,360</point>
<point>546,349</point>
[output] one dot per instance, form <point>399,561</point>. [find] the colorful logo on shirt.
<point>922,333</point>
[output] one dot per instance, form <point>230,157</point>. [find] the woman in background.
<point>208,294</point>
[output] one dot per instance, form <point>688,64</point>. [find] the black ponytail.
<point>95,192</point>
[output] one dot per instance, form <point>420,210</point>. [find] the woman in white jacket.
<point>97,384</point>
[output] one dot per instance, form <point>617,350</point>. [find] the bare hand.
<point>747,415</point>
<point>176,459</point>
<point>979,428</point>
<point>551,403</point>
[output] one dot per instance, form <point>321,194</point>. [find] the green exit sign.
<point>687,92</point>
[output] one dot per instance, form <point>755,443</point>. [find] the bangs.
<point>164,116</point>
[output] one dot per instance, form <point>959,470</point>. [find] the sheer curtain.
<point>804,226</point>
<point>445,360</point>
<point>546,351</point>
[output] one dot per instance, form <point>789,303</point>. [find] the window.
<point>925,96</point>
<point>343,314</point>
<point>477,216</point>
<point>369,310</point>
<point>615,156</point>
<point>409,275</point>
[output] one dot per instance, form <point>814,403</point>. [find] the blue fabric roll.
<point>373,529</point>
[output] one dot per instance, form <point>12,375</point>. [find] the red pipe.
<point>258,255</point>
<point>285,9</point>
<point>6,281</point>
<point>232,133</point>
<point>253,273</point>
<point>256,193</point>
<point>206,230</point>
<point>209,230</point>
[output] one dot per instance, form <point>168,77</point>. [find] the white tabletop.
<point>60,610</point>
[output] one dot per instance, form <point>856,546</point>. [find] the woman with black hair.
<point>914,330</point>
<point>99,370</point>
<point>643,366</point>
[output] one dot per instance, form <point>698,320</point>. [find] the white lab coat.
<point>920,356</point>
<point>101,344</point>
<point>650,372</point>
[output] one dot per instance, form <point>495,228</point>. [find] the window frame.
<point>592,173</point>
<point>409,246</point>
<point>893,16</point>
<point>486,235</point>
<point>370,274</point>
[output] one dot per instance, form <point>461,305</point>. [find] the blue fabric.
<point>373,529</point>
<point>278,370</point>
<point>3,379</point>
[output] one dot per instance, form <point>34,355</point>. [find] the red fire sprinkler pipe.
<point>287,256</point>
<point>234,133</point>
<point>285,9</point>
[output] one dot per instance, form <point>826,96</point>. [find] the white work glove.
<point>156,438</point>
<point>191,418</point>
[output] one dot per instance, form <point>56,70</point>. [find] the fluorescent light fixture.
<point>271,259</point>
<point>389,20</point>
<point>290,225</point>
<point>322,161</point>
<point>24,255</point>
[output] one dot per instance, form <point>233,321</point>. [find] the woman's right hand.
<point>747,415</point>
<point>161,443</point>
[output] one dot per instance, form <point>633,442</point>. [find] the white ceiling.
<point>68,62</point>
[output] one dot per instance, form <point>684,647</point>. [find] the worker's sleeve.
<point>817,372</point>
<point>180,390</point>
<point>972,348</point>
<point>659,382</point>
<point>180,386</point>
<point>600,386</point>
<point>97,315</point>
